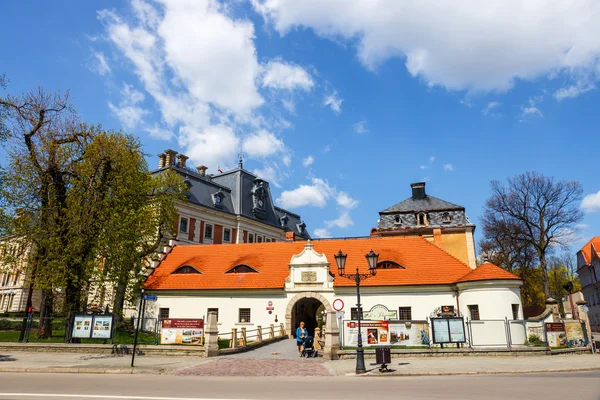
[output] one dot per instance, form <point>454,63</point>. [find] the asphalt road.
<point>577,385</point>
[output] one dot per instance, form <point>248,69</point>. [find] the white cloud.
<point>287,159</point>
<point>159,133</point>
<point>345,201</point>
<point>288,76</point>
<point>591,202</point>
<point>262,144</point>
<point>289,105</point>
<point>322,233</point>
<point>211,145</point>
<point>423,167</point>
<point>315,195</point>
<point>100,65</point>
<point>333,101</point>
<point>342,221</point>
<point>460,45</point>
<point>360,127</point>
<point>431,159</point>
<point>128,111</point>
<point>448,167</point>
<point>531,109</point>
<point>269,174</point>
<point>308,161</point>
<point>490,107</point>
<point>574,90</point>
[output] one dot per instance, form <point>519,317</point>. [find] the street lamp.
<point>340,259</point>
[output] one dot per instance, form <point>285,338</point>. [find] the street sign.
<point>338,305</point>
<point>149,297</point>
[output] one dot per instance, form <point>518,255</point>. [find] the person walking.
<point>301,334</point>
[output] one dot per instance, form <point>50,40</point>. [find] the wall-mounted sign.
<point>338,305</point>
<point>182,331</point>
<point>380,312</point>
<point>448,330</point>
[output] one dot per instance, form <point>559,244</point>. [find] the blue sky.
<point>340,104</point>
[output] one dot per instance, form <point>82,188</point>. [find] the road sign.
<point>338,305</point>
<point>149,297</point>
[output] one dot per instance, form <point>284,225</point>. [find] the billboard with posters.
<point>574,332</point>
<point>182,331</point>
<point>82,326</point>
<point>374,333</point>
<point>555,334</point>
<point>92,326</point>
<point>448,330</point>
<point>408,333</point>
<point>102,327</point>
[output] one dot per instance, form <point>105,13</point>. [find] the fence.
<point>243,337</point>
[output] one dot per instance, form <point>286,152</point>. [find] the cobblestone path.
<point>277,359</point>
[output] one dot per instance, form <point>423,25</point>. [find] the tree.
<point>545,211</point>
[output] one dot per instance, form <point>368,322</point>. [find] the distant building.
<point>229,207</point>
<point>443,223</point>
<point>588,269</point>
<point>13,285</point>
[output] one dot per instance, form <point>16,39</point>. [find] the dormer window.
<point>422,219</point>
<point>446,218</point>
<point>218,199</point>
<point>397,220</point>
<point>242,269</point>
<point>186,269</point>
<point>301,227</point>
<point>284,221</point>
<point>388,264</point>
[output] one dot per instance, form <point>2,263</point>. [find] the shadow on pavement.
<point>6,358</point>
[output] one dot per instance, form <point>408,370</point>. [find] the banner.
<point>374,333</point>
<point>408,333</point>
<point>182,331</point>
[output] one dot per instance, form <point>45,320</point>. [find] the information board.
<point>374,333</point>
<point>182,331</point>
<point>102,327</point>
<point>448,330</point>
<point>82,326</point>
<point>413,333</point>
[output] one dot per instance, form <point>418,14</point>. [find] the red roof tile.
<point>587,249</point>
<point>425,264</point>
<point>486,272</point>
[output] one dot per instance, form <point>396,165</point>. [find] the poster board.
<point>186,331</point>
<point>556,334</point>
<point>87,326</point>
<point>374,333</point>
<point>408,333</point>
<point>448,330</point>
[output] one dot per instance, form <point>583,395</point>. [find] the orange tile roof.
<point>425,263</point>
<point>486,272</point>
<point>587,249</point>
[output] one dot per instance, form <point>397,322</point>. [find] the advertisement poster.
<point>408,334</point>
<point>574,331</point>
<point>457,330</point>
<point>374,333</point>
<point>555,332</point>
<point>102,327</point>
<point>441,330</point>
<point>82,326</point>
<point>182,331</point>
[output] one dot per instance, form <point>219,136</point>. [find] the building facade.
<point>229,207</point>
<point>288,282</point>
<point>588,269</point>
<point>14,289</point>
<point>443,223</point>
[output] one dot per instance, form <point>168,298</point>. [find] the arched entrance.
<point>306,307</point>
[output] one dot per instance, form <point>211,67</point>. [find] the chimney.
<point>418,190</point>
<point>170,157</point>
<point>202,170</point>
<point>290,236</point>
<point>162,160</point>
<point>181,159</point>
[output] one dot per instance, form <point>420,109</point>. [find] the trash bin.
<point>383,355</point>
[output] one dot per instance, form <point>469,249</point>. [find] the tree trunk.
<point>119,300</point>
<point>45,325</point>
<point>543,266</point>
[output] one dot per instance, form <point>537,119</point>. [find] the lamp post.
<point>340,259</point>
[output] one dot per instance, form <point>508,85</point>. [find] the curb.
<point>541,371</point>
<point>75,370</point>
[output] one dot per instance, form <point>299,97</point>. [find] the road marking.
<point>95,396</point>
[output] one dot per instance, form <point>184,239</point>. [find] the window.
<point>267,240</point>
<point>446,218</point>
<point>227,235</point>
<point>208,231</point>
<point>183,225</point>
<point>186,269</point>
<point>251,238</point>
<point>404,313</point>
<point>244,315</point>
<point>397,219</point>
<point>515,310</point>
<point>259,239</point>
<point>386,264</point>
<point>474,311</point>
<point>241,269</point>
<point>215,310</point>
<point>17,275</point>
<point>163,313</point>
<point>353,313</point>
<point>422,219</point>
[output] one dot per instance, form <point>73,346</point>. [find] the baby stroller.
<point>309,348</point>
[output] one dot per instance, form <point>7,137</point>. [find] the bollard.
<point>244,338</point>
<point>234,342</point>
<point>259,333</point>
<point>272,331</point>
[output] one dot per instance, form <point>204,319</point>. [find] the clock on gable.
<point>218,199</point>
<point>259,198</point>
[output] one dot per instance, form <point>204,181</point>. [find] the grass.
<point>58,336</point>
<point>391,347</point>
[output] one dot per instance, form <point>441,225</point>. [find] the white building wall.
<point>494,302</point>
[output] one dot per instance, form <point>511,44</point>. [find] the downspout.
<point>456,293</point>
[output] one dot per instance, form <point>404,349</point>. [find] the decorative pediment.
<point>309,270</point>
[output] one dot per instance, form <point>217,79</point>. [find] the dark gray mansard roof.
<point>236,187</point>
<point>420,201</point>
